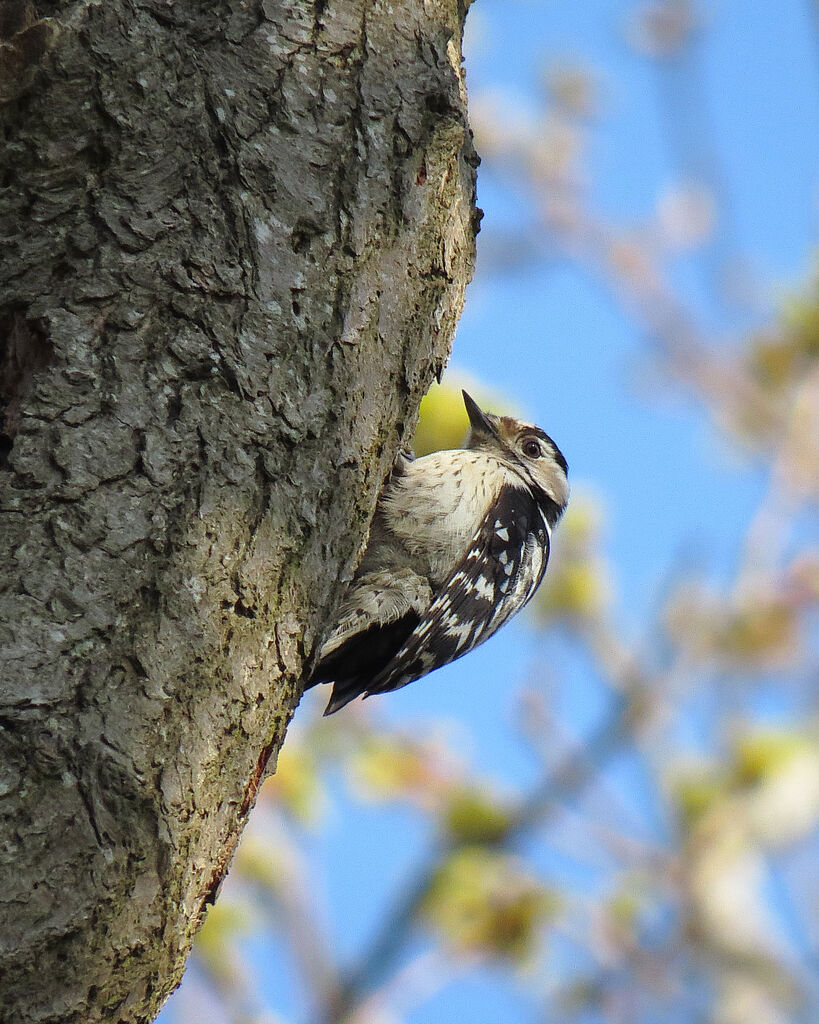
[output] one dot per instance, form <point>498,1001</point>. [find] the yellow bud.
<point>476,816</point>
<point>762,754</point>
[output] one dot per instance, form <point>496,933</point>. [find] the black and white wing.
<point>496,577</point>
<point>381,612</point>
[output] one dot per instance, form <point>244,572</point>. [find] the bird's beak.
<point>480,422</point>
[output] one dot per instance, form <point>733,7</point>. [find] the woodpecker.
<point>459,543</point>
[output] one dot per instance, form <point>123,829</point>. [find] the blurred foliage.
<point>395,766</point>
<point>476,815</point>
<point>443,422</point>
<point>226,921</point>
<point>485,901</point>
<point>298,784</point>
<point>755,632</point>
<point>577,587</point>
<point>783,356</point>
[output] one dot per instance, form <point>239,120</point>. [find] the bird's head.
<point>524,448</point>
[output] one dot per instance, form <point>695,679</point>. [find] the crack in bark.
<point>25,350</point>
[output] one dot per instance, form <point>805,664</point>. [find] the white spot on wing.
<point>484,588</point>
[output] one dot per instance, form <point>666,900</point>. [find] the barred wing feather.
<point>498,574</point>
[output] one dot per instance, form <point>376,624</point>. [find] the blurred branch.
<point>291,910</point>
<point>563,782</point>
<point>410,986</point>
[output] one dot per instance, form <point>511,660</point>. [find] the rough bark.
<point>236,237</point>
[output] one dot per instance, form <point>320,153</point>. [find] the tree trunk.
<point>236,237</point>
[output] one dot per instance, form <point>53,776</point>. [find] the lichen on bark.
<point>236,242</point>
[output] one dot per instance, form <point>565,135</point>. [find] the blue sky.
<point>569,353</point>
<point>552,337</point>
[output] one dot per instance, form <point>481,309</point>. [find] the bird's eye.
<point>531,448</point>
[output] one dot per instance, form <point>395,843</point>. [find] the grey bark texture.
<point>235,242</point>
